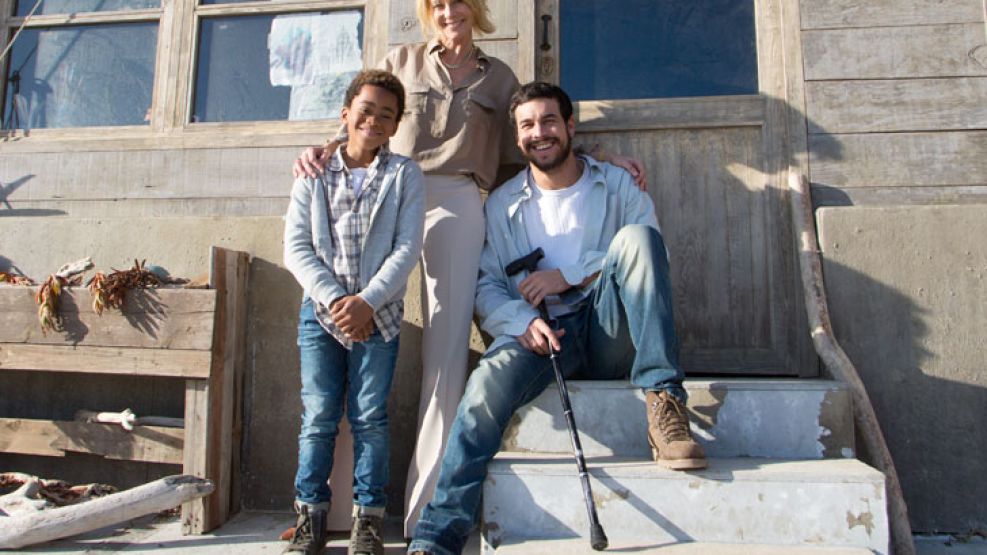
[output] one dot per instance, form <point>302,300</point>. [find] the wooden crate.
<point>196,335</point>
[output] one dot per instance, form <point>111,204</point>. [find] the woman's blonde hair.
<point>481,17</point>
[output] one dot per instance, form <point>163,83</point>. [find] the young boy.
<point>351,238</point>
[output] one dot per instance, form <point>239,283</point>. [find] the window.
<point>141,64</point>
<point>81,66</point>
<point>85,75</point>
<point>679,49</point>
<point>276,67</point>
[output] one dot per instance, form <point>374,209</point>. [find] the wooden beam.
<point>165,318</point>
<point>212,409</point>
<point>941,158</point>
<point>105,360</point>
<point>894,52</point>
<point>828,14</point>
<point>897,105</point>
<point>152,444</point>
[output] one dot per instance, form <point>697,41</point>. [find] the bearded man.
<point>605,281</point>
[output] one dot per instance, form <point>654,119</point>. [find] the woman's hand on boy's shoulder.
<point>312,161</point>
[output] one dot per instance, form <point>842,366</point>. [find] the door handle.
<point>545,45</point>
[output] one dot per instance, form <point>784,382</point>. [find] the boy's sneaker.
<point>367,536</point>
<point>310,531</point>
<point>668,433</point>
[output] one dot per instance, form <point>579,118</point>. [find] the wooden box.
<point>195,335</point>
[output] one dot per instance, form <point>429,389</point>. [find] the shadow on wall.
<point>7,189</point>
<point>272,403</point>
<point>933,425</point>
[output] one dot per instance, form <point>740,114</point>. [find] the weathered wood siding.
<point>896,94</point>
<point>896,107</point>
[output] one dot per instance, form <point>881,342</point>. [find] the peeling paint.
<point>863,519</point>
<point>600,499</point>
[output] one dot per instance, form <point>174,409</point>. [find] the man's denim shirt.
<point>391,245</point>
<point>613,202</point>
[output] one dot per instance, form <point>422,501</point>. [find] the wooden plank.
<point>88,18</point>
<point>163,318</point>
<point>214,409</point>
<point>897,105</point>
<point>229,278</point>
<point>105,360</point>
<point>280,7</point>
<point>237,173</point>
<point>891,196</point>
<point>669,113</point>
<point>899,159</point>
<point>896,52</point>
<point>152,444</point>
<point>821,14</point>
<point>196,451</point>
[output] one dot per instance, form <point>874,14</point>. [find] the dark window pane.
<point>79,6</point>
<point>80,76</point>
<point>657,48</point>
<point>294,67</point>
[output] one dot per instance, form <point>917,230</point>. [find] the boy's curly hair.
<point>377,78</point>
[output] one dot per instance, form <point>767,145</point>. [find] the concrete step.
<point>581,547</point>
<point>736,417</point>
<point>830,502</point>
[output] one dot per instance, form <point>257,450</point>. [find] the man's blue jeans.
<point>364,376</point>
<point>627,327</point>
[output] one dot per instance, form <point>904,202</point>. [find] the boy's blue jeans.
<point>364,376</point>
<point>627,325</point>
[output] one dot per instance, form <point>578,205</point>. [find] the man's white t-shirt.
<point>555,220</point>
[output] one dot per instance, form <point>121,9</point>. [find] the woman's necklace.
<point>465,58</point>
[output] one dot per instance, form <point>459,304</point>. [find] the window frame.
<point>174,80</point>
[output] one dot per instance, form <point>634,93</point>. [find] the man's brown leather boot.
<point>668,433</point>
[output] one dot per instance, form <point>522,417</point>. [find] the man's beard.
<point>565,148</point>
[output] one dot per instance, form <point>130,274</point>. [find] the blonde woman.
<point>456,126</point>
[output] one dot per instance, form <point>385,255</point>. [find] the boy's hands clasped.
<point>354,317</point>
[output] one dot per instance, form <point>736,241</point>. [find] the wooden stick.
<point>840,365</point>
<point>156,496</point>
<point>23,499</point>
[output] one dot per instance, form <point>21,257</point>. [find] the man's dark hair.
<point>377,78</point>
<point>540,89</point>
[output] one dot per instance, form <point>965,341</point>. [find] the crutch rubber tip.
<point>598,539</point>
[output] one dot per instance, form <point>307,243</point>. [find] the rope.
<point>19,29</point>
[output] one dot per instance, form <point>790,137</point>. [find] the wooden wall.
<point>896,99</point>
<point>896,109</point>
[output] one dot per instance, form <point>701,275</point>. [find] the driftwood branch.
<point>23,499</point>
<point>71,269</point>
<point>840,365</point>
<point>153,497</point>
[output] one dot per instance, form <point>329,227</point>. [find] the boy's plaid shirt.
<point>349,220</point>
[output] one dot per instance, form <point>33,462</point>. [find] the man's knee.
<point>637,236</point>
<point>638,242</point>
